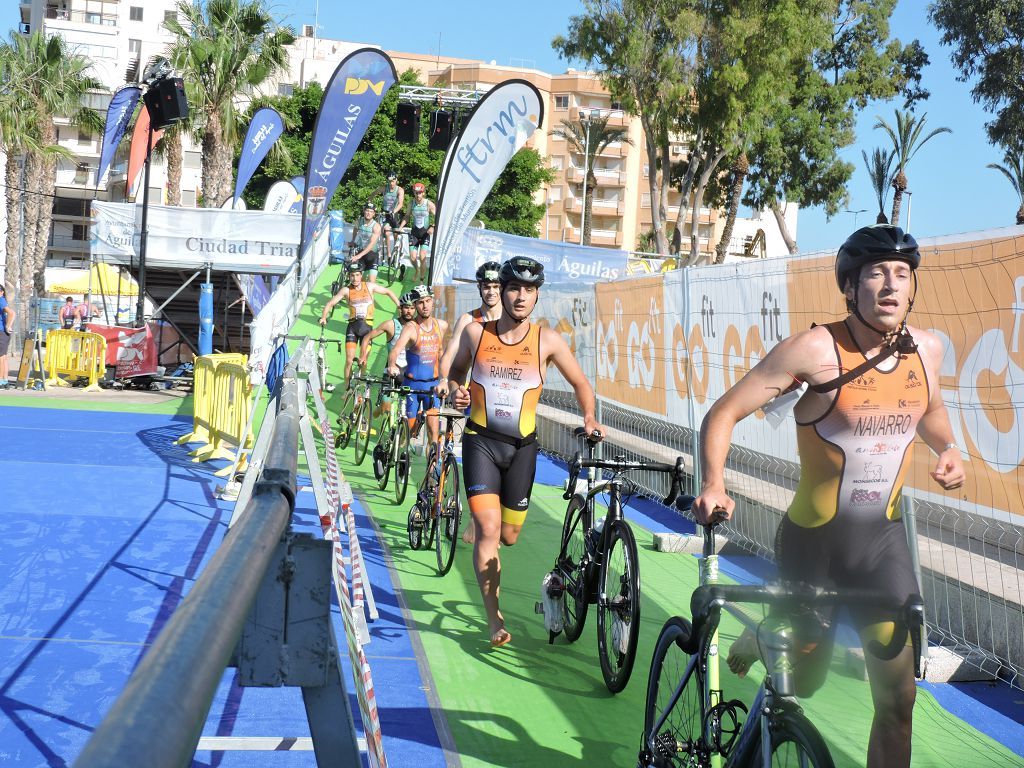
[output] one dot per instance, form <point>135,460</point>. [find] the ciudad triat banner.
<point>498,127</point>
<point>266,128</point>
<point>119,114</point>
<point>350,101</point>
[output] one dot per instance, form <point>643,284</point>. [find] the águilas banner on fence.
<point>630,343</point>
<point>563,262</point>
<point>266,128</point>
<point>350,101</point>
<point>119,114</point>
<point>499,125</point>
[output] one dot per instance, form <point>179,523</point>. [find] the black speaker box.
<point>442,125</point>
<point>407,123</point>
<point>166,102</point>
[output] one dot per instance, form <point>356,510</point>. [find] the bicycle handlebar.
<point>621,465</point>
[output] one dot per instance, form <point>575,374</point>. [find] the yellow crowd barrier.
<point>221,397</point>
<point>76,355</point>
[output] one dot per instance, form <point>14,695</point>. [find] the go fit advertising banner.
<point>669,346</point>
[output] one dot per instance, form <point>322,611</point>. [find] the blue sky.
<point>952,190</point>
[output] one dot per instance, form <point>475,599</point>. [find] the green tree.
<point>986,40</point>
<point>796,156</point>
<point>42,81</point>
<point>906,141</point>
<point>878,166</point>
<point>1013,169</point>
<point>222,49</point>
<point>589,138</point>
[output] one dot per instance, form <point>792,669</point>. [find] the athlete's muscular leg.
<point>510,532</point>
<point>893,691</point>
<point>350,355</point>
<point>486,512</point>
<point>433,426</point>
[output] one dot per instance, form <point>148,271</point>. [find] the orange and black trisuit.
<point>843,528</point>
<point>360,312</point>
<point>499,448</point>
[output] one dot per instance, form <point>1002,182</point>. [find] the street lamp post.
<point>856,213</point>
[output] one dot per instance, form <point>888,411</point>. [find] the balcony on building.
<point>57,12</point>
<point>617,118</point>
<point>606,238</point>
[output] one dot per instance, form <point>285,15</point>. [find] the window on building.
<point>645,200</point>
<point>135,13</point>
<point>170,15</point>
<point>554,194</point>
<point>192,160</point>
<point>285,89</point>
<point>81,173</point>
<point>554,222</point>
<point>70,206</point>
<point>134,47</point>
<point>562,101</point>
<point>79,231</point>
<point>156,195</point>
<point>557,162</point>
<point>188,198</point>
<point>84,136</point>
<point>647,171</point>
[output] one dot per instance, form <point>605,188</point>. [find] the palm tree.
<point>42,80</point>
<point>590,138</point>
<point>878,166</point>
<point>906,141</point>
<point>1013,170</point>
<point>223,48</point>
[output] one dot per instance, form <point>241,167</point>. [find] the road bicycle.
<point>687,720</point>
<point>392,267</point>
<point>392,448</point>
<point>437,513</point>
<point>351,400</point>
<point>597,562</point>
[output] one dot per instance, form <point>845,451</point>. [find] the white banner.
<point>190,238</point>
<point>280,197</point>
<point>499,125</point>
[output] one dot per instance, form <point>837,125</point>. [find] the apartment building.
<point>119,37</point>
<point>621,213</point>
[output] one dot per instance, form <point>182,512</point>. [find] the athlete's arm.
<point>386,328</point>
<point>433,213</point>
<point>449,352</point>
<point>934,427</point>
<point>399,204</point>
<point>558,352</point>
<point>462,361</point>
<point>378,288</point>
<point>335,300</point>
<point>781,367</point>
<point>405,338</point>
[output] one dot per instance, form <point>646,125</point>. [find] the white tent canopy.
<point>252,242</point>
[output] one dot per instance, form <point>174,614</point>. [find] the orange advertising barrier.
<point>220,406</point>
<point>75,355</point>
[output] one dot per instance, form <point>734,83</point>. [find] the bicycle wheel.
<point>674,710</point>
<point>618,606</point>
<point>363,421</point>
<point>451,514</point>
<point>401,460</point>
<point>345,420</point>
<point>578,520</point>
<point>796,743</point>
<point>382,456</point>
<point>429,492</point>
<point>414,526</point>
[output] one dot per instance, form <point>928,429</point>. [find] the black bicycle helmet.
<point>355,266</point>
<point>878,242</point>
<point>406,299</point>
<point>420,292</point>
<point>488,272</point>
<point>371,205</point>
<point>522,269</point>
<point>392,175</point>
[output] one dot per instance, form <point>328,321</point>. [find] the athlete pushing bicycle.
<point>505,360</point>
<point>873,385</point>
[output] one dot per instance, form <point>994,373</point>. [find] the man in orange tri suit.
<point>854,435</point>
<point>423,338</point>
<point>359,295</point>
<point>507,358</point>
<point>490,309</point>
